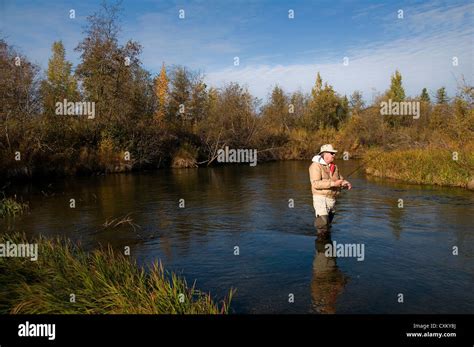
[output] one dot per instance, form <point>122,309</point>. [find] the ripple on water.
<point>407,249</point>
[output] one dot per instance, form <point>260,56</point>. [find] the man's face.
<point>328,157</point>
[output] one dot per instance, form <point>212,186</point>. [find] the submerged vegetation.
<point>10,207</point>
<point>101,282</point>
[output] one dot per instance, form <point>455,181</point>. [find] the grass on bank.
<point>422,166</point>
<point>103,282</point>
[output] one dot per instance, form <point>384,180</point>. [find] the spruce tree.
<point>424,95</point>
<point>441,96</point>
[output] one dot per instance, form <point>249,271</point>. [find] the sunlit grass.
<point>103,282</point>
<point>422,166</point>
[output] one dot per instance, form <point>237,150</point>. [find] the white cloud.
<point>195,41</point>
<point>424,57</point>
<point>421,45</point>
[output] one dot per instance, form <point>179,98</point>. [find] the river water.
<point>251,228</point>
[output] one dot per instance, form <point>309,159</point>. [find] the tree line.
<point>174,118</point>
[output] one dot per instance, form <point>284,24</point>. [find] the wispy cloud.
<point>423,54</point>
<point>272,49</point>
<point>200,39</point>
<point>366,11</point>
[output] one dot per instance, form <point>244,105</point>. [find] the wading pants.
<point>324,208</point>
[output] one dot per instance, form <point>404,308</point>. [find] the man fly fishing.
<point>326,184</point>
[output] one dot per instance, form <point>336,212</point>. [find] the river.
<point>251,228</point>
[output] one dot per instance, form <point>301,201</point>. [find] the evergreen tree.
<point>424,95</point>
<point>317,86</point>
<point>441,96</point>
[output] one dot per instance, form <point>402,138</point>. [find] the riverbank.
<point>67,280</point>
<point>417,166</point>
<point>423,166</point>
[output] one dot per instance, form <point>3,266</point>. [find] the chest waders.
<point>323,224</point>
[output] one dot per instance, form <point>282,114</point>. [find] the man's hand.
<point>346,184</point>
<point>337,183</point>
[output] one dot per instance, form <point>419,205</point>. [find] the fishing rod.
<point>354,171</point>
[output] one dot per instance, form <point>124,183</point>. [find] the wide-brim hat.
<point>327,148</point>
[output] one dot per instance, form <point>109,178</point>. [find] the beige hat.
<point>327,148</point>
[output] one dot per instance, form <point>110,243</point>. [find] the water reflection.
<point>328,281</point>
<point>249,207</point>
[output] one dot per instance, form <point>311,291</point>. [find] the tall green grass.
<point>422,166</point>
<point>103,282</point>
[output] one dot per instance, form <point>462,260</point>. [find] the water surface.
<point>408,250</point>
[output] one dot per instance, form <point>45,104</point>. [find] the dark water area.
<point>408,250</point>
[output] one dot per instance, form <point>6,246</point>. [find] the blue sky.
<point>272,48</point>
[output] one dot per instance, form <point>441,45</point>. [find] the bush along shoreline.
<point>104,116</point>
<point>64,279</point>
